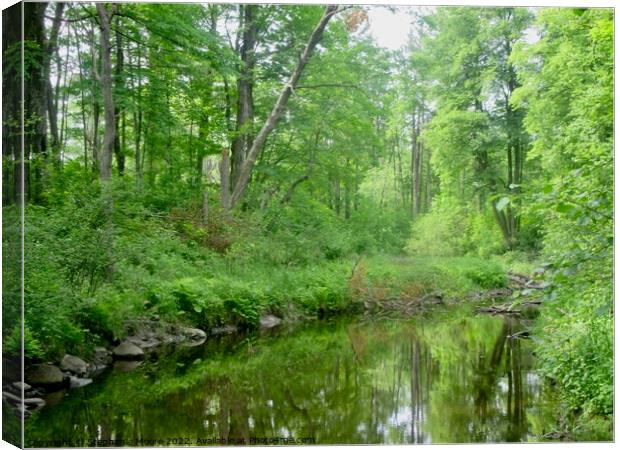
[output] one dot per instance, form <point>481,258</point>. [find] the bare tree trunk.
<point>82,99</point>
<point>225,179</point>
<point>52,107</point>
<point>35,102</point>
<point>245,103</point>
<point>246,169</point>
<point>94,91</point>
<point>106,89</point>
<point>118,147</point>
<point>205,192</point>
<point>415,168</point>
<point>138,122</point>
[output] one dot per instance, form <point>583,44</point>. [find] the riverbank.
<point>190,310</point>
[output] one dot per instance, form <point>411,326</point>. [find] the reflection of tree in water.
<point>454,379</point>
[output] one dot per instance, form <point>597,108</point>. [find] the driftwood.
<point>502,309</point>
<point>524,282</point>
<point>523,334</point>
<point>402,306</point>
<point>507,308</point>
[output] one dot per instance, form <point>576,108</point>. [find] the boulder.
<point>144,342</point>
<point>11,398</point>
<point>126,366</point>
<point>127,350</point>
<point>102,356</point>
<point>76,382</point>
<point>226,329</point>
<point>74,365</point>
<point>48,376</point>
<point>21,386</point>
<point>194,334</point>
<point>269,321</point>
<point>34,404</point>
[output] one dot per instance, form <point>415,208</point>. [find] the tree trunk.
<point>225,179</point>
<point>106,89</point>
<point>52,106</point>
<point>94,92</point>
<point>138,121</point>
<point>35,100</point>
<point>415,168</point>
<point>245,102</point>
<point>278,109</point>
<point>118,148</point>
<point>205,192</point>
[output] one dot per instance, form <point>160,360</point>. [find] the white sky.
<point>389,28</point>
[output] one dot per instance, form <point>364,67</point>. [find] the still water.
<point>447,376</point>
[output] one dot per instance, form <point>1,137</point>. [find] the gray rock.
<point>46,375</point>
<point>102,357</point>
<point>226,329</point>
<point>129,351</point>
<point>269,321</point>
<point>21,386</point>
<point>126,366</point>
<point>11,398</point>
<point>79,382</point>
<point>145,343</point>
<point>74,365</point>
<point>34,404</point>
<point>194,334</point>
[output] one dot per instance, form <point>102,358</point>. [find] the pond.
<point>443,377</point>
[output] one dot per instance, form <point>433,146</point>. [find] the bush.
<point>454,229</point>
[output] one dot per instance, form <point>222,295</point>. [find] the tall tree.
<point>245,82</point>
<point>105,16</point>
<point>278,109</point>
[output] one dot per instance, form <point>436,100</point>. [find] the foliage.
<point>569,109</point>
<point>473,150</point>
<point>451,229</point>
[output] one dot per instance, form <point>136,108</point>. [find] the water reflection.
<point>450,377</point>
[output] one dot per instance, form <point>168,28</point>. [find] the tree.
<point>278,109</point>
<point>105,16</point>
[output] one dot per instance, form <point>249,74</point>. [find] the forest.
<point>227,168</point>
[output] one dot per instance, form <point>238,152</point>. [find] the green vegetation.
<point>208,164</point>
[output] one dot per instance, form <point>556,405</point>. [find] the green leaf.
<point>564,208</point>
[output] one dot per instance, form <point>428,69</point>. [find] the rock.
<point>101,359</point>
<point>34,404</point>
<point>76,382</point>
<point>21,386</point>
<point>14,399</point>
<point>127,350</point>
<point>226,329</point>
<point>194,334</point>
<point>269,321</point>
<point>126,366</point>
<point>47,375</point>
<point>145,343</point>
<point>74,365</point>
